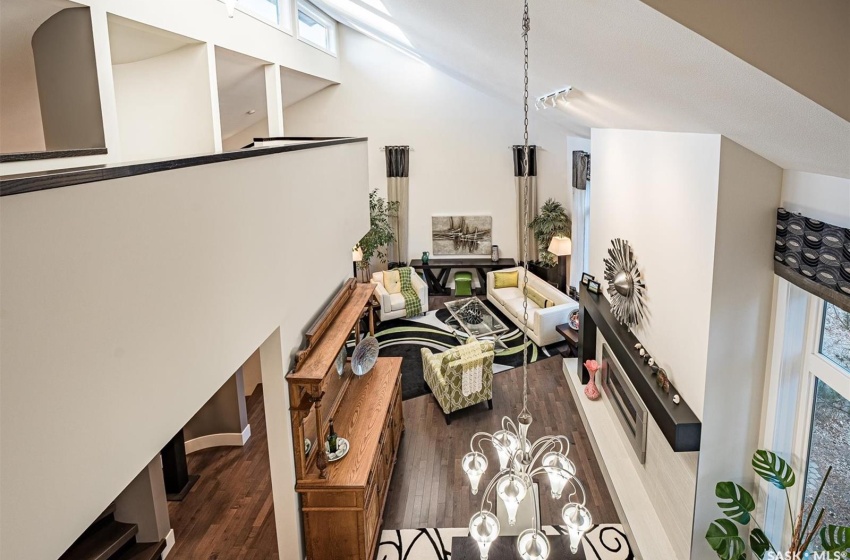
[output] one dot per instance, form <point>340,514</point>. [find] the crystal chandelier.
<point>520,461</point>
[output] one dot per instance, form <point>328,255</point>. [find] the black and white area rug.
<point>603,542</point>
<point>405,338</point>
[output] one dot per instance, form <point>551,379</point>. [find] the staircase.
<point>108,539</point>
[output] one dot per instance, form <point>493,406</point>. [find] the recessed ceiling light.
<point>252,111</point>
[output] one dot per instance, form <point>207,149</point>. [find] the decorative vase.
<point>494,253</point>
<point>591,391</point>
<point>425,257</point>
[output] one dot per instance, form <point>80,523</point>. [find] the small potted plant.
<point>738,504</point>
<point>380,233</point>
<point>551,221</point>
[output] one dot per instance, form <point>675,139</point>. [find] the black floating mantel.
<point>678,422</point>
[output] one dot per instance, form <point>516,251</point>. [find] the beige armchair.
<point>392,305</point>
<point>444,375</point>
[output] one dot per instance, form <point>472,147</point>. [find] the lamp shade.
<point>357,254</point>
<point>561,246</point>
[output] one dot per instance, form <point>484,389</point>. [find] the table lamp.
<point>562,247</point>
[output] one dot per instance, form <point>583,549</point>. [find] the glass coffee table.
<point>475,319</point>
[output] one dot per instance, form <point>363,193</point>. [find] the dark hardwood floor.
<point>429,488</point>
<point>228,514</point>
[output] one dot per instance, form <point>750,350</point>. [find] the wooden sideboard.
<point>342,503</point>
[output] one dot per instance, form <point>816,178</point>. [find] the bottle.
<point>332,447</point>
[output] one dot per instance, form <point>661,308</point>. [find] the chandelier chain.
<point>526,28</point>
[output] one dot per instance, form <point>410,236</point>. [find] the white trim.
<point>320,17</point>
<point>218,440</point>
<point>169,544</point>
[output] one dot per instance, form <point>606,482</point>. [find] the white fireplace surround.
<point>655,500</point>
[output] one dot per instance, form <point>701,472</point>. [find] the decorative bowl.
<point>573,320</point>
<point>342,447</point>
<point>365,355</point>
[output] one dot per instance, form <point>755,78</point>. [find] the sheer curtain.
<point>520,202</point>
<point>581,217</point>
<point>398,187</point>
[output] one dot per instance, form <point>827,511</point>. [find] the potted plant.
<point>380,233</point>
<point>737,505</point>
<point>551,221</point>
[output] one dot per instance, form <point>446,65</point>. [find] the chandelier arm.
<point>544,442</point>
<point>511,427</point>
<point>575,481</point>
<point>486,496</point>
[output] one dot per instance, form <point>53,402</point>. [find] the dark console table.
<point>504,548</point>
<point>437,282</point>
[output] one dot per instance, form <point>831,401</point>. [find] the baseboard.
<point>169,544</point>
<point>218,440</point>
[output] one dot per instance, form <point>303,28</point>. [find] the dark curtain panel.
<point>519,160</point>
<point>581,169</point>
<point>398,161</point>
<point>813,255</point>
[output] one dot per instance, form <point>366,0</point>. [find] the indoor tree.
<point>738,504</point>
<point>380,233</point>
<point>551,221</point>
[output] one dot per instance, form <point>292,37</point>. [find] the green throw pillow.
<point>506,279</point>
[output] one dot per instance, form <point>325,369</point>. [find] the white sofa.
<point>541,322</point>
<point>392,305</point>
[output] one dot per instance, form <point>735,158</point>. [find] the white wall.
<point>658,191</point>
<point>699,212</point>
<point>817,196</point>
<point>460,137</point>
<point>164,105</point>
<point>63,50</point>
<point>741,302</point>
<point>127,303</point>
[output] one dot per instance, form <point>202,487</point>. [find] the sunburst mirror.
<point>625,284</point>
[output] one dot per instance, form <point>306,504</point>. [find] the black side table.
<point>571,337</point>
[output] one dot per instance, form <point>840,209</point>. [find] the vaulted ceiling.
<point>631,66</point>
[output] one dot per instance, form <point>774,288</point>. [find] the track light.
<point>551,100</point>
<point>230,5</point>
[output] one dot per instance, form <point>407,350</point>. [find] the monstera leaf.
<point>759,542</point>
<point>835,538</point>
<point>773,469</point>
<point>735,502</point>
<point>723,537</point>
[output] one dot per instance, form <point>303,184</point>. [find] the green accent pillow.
<point>538,298</point>
<point>506,279</point>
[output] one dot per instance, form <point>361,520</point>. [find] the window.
<point>315,28</point>
<point>807,419</point>
<point>835,335</point>
<point>829,438</point>
<point>276,13</point>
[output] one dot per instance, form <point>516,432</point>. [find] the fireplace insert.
<point>628,405</point>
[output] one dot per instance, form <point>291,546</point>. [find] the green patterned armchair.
<point>444,374</point>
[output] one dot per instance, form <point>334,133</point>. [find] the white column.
<point>276,401</point>
<point>216,112</point>
<point>274,100</point>
<point>106,84</point>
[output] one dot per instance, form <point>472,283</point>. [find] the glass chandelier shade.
<point>484,529</point>
<point>560,470</point>
<point>474,465</point>
<point>512,490</point>
<point>533,545</point>
<point>578,521</point>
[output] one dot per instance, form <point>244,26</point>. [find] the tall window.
<point>315,28</point>
<point>829,433</point>
<point>808,414</point>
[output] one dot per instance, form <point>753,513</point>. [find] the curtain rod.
<point>383,148</point>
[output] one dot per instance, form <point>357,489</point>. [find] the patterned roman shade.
<point>813,255</point>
